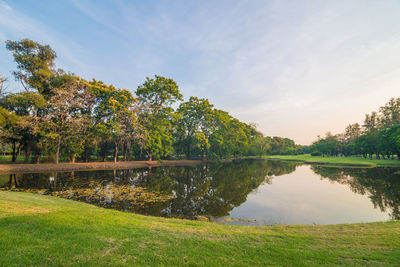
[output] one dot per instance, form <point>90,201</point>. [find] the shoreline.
<point>109,165</point>
<point>337,161</point>
<point>90,166</point>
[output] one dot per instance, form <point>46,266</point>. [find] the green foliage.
<point>378,136</point>
<point>193,126</point>
<point>156,96</point>
<point>158,93</point>
<point>35,63</point>
<point>63,116</point>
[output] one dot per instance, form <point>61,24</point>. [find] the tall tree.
<point>193,124</point>
<point>157,95</point>
<point>390,113</point>
<point>35,63</point>
<point>114,114</point>
<point>65,118</point>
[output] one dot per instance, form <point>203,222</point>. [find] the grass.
<point>7,159</point>
<point>48,231</point>
<point>339,161</point>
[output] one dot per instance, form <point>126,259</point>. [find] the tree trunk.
<point>129,155</point>
<point>37,158</point>
<point>58,150</point>
<point>73,158</point>
<point>28,151</point>
<point>126,151</point>
<point>86,155</point>
<point>19,150</point>
<point>116,152</point>
<point>13,157</point>
<point>188,151</point>
<point>123,152</point>
<point>105,156</point>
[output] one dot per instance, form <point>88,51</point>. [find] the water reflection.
<point>210,190</point>
<point>249,189</point>
<point>381,185</point>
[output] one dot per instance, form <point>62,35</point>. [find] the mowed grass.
<point>48,231</point>
<point>339,161</point>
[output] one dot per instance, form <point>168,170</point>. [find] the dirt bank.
<point>48,167</point>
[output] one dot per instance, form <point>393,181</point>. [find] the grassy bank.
<point>43,230</point>
<point>340,161</point>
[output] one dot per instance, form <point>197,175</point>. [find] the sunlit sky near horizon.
<point>295,68</point>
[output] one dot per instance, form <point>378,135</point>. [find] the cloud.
<point>17,25</point>
<point>297,69</point>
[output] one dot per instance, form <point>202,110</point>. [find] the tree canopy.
<point>60,116</point>
<point>378,136</point>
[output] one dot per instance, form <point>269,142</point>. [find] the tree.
<point>35,63</point>
<point>390,113</point>
<point>192,125</point>
<point>11,131</point>
<point>261,144</point>
<point>114,114</point>
<point>28,106</point>
<point>66,119</point>
<point>61,113</point>
<point>157,95</point>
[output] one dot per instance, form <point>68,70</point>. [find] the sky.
<point>296,69</point>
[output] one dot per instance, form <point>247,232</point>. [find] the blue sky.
<point>295,68</point>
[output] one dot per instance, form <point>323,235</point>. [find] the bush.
<point>316,153</point>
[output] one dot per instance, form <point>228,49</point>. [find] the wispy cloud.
<point>297,69</point>
<point>17,25</point>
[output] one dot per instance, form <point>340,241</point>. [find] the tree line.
<point>60,115</point>
<point>378,136</point>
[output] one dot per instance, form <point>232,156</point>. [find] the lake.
<point>245,192</point>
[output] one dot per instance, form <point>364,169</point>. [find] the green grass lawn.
<point>47,231</point>
<point>5,159</point>
<point>347,161</point>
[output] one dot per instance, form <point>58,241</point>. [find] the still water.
<point>249,192</point>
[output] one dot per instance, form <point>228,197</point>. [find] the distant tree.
<point>261,145</point>
<point>390,113</point>
<point>378,135</point>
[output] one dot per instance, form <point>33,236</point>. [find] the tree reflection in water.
<point>382,185</point>
<point>210,190</point>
